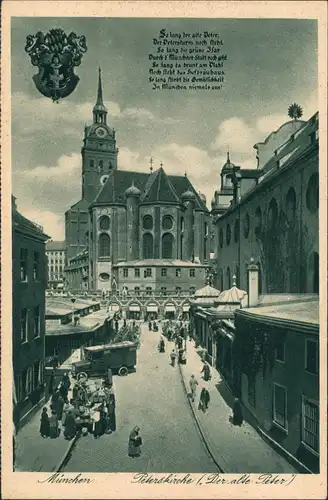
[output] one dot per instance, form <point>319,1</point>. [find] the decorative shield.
<point>56,54</point>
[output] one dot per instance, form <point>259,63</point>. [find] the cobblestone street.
<point>152,398</point>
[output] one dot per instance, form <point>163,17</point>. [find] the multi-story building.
<point>77,272</point>
<point>145,231</point>
<point>56,261</point>
<point>29,282</point>
<point>271,213</point>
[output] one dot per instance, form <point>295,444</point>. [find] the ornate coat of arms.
<point>56,54</point>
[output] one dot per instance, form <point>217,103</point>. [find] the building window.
<point>178,273</point>
<point>125,272</point>
<point>258,221</point>
<point>104,245</point>
<point>147,273</point>
<point>137,273</point>
<point>167,246</point>
<point>205,229</point>
<point>100,164</point>
<point>148,246</point>
<point>164,272</point>
<point>314,272</point>
<point>252,390</point>
<point>246,226</point>
<point>192,290</point>
<point>311,356</point>
<point>205,248</point>
<point>280,405</point>
<point>181,224</point>
<point>36,374</point>
<point>36,322</point>
<point>104,223</point>
<point>29,381</point>
<point>236,231</point>
<point>273,214</point>
<point>36,265</point>
<point>23,385</point>
<point>280,352</point>
<point>228,234</point>
<point>137,290</point>
<point>102,276</point>
<point>147,222</point>
<point>192,273</point>
<point>163,290</point>
<point>290,204</point>
<point>228,278</point>
<point>178,290</point>
<point>23,325</point>
<point>237,276</point>
<point>92,163</point>
<point>23,264</point>
<point>221,238</point>
<point>312,193</point>
<point>310,424</point>
<point>167,222</point>
<point>148,290</point>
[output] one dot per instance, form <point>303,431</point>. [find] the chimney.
<point>253,284</point>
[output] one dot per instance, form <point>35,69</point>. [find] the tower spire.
<point>99,109</point>
<point>99,94</point>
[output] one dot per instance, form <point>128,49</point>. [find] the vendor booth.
<point>169,311</point>
<point>134,311</point>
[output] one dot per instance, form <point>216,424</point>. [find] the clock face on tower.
<point>103,179</point>
<point>101,132</point>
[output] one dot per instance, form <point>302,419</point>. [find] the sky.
<point>270,65</point>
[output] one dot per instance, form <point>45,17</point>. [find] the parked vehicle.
<point>97,360</point>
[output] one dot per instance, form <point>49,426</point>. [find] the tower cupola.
<point>132,191</point>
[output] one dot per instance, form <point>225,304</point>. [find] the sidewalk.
<point>234,449</point>
<point>36,454</point>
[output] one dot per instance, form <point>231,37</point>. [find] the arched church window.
<point>167,246</point>
<point>110,165</point>
<point>221,280</point>
<point>167,222</point>
<point>104,245</point>
<point>147,222</point>
<point>260,278</point>
<point>148,246</point>
<point>228,234</point>
<point>246,225</point>
<point>236,231</point>
<point>312,193</point>
<point>237,273</point>
<point>92,163</point>
<point>221,238</point>
<point>258,221</point>
<point>273,214</point>
<point>181,224</point>
<point>228,278</point>
<point>104,223</point>
<point>290,204</point>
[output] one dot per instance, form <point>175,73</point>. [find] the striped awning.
<point>152,308</point>
<point>134,307</point>
<point>114,307</point>
<point>170,308</point>
<point>186,307</point>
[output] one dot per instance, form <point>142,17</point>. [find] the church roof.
<point>171,187</point>
<point>160,189</point>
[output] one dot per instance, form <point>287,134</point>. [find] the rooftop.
<point>302,311</point>
<point>159,262</point>
<point>207,291</point>
<point>55,245</point>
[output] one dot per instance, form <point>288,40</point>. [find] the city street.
<point>154,399</point>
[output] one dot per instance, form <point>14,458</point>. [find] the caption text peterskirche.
<point>187,61</point>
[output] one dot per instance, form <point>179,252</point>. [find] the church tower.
<point>99,152</point>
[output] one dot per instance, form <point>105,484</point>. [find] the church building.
<point>146,232</point>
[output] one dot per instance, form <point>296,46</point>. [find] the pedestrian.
<point>51,382</point>
<point>63,390</point>
<point>70,426</point>
<point>45,425</point>
<point>53,425</point>
<point>111,404</point>
<point>66,381</point>
<point>59,407</point>
<point>207,372</point>
<point>149,326</point>
<point>193,386</point>
<point>68,407</point>
<point>124,323</point>
<point>173,356</point>
<point>204,400</point>
<point>237,413</point>
<point>116,326</point>
<point>135,442</point>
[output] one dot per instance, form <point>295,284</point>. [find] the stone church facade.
<point>140,228</point>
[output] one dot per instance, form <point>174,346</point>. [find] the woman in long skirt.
<point>45,425</point>
<point>134,442</point>
<point>53,421</point>
<point>237,413</point>
<point>70,426</point>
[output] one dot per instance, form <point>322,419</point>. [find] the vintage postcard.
<point>164,199</point>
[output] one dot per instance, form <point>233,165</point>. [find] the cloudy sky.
<point>271,64</point>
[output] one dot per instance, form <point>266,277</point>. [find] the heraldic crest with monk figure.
<point>56,54</point>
